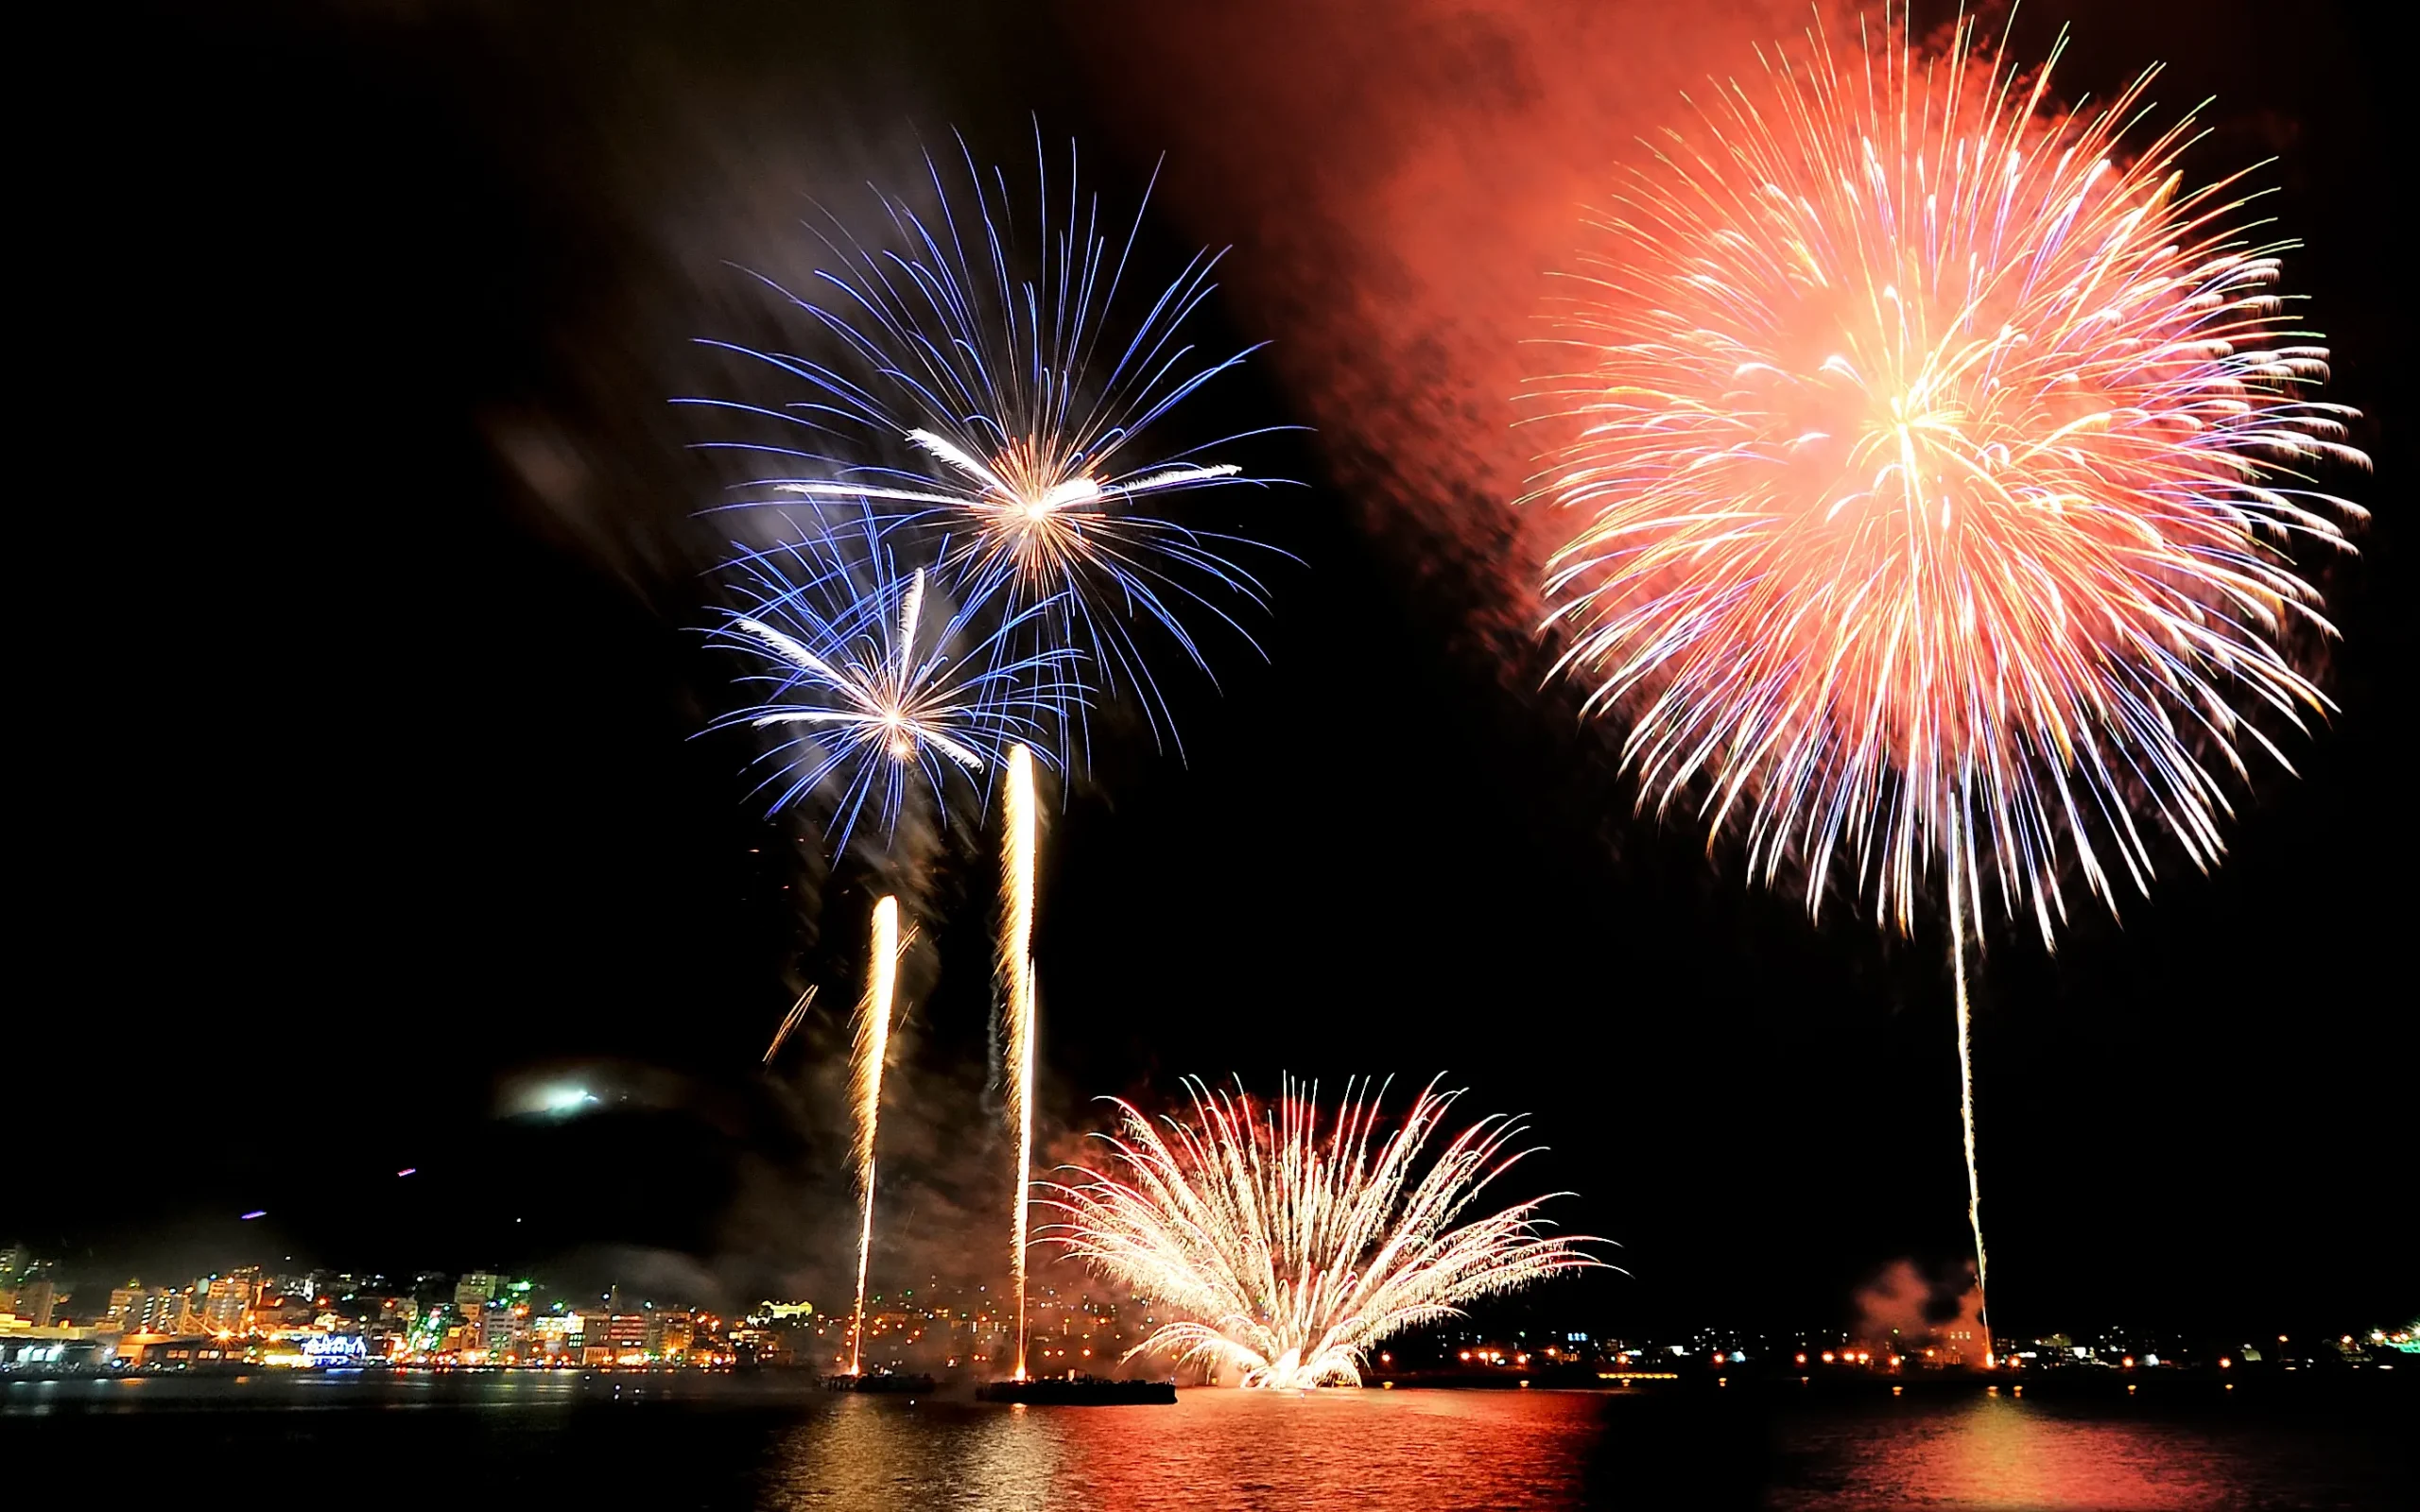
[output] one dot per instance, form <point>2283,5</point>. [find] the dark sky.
<point>359,794</point>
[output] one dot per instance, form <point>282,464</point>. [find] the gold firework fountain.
<point>873,1043</point>
<point>1284,1243</point>
<point>1016,969</point>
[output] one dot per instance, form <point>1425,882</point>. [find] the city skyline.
<point>263,1316</point>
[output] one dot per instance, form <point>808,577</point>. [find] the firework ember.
<point>1937,459</point>
<point>1287,1243</point>
<point>791,1020</point>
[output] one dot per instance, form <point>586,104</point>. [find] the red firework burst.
<point>1937,462</point>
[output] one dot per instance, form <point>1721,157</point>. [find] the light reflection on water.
<point>1249,1452</point>
<point>776,1443</point>
<point>1993,1453</point>
<point>1445,1452</point>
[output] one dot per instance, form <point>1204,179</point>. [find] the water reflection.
<point>1993,1453</point>
<point>771,1441</point>
<point>873,1451</point>
<point>1248,1452</point>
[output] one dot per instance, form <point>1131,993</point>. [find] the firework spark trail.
<point>1017,967</point>
<point>1966,1100</point>
<point>790,1020</point>
<point>1288,1244</point>
<point>1938,462</point>
<point>1030,400</point>
<point>877,689</point>
<point>873,1045</point>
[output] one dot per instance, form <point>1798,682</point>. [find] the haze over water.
<point>775,1443</point>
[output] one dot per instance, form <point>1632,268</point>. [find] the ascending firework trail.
<point>1016,969</point>
<point>1937,459</point>
<point>865,1094</point>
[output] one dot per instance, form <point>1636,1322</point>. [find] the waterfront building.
<point>556,1338</point>
<point>33,1302</point>
<point>624,1340</point>
<point>504,1331</point>
<point>668,1334</point>
<point>472,1293</point>
<point>228,1300</point>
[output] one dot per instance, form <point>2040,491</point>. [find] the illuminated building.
<point>27,1287</point>
<point>668,1334</point>
<point>618,1338</point>
<point>587,1329</point>
<point>504,1330</point>
<point>32,1302</point>
<point>472,1293</point>
<point>192,1351</point>
<point>275,1311</point>
<point>140,1309</point>
<point>557,1337</point>
<point>227,1304</point>
<point>60,1345</point>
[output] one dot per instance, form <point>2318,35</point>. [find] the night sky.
<point>360,793</point>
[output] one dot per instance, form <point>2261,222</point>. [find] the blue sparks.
<point>870,686</point>
<point>1006,398</point>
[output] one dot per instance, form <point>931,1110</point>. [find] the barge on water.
<point>882,1383</point>
<point>1080,1391</point>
